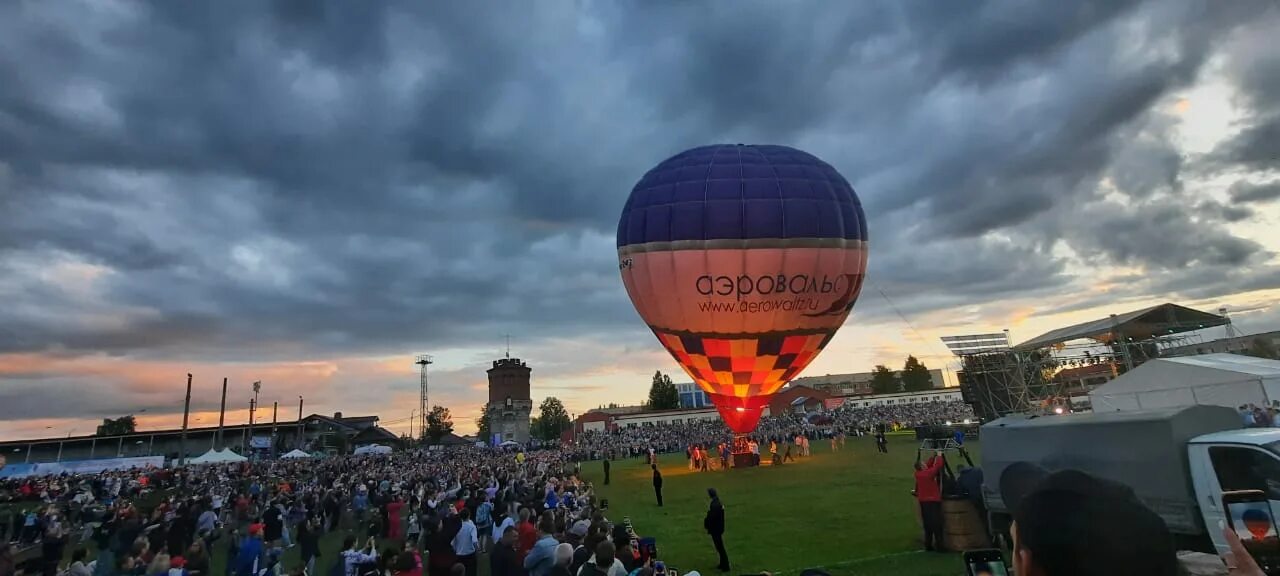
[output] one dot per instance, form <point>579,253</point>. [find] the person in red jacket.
<point>929,495</point>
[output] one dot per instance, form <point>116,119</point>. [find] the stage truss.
<point>1004,381</point>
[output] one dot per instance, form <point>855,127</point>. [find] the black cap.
<point>1076,523</point>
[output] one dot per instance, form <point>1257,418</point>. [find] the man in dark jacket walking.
<point>714,525</point>
<point>606,470</point>
<point>657,483</point>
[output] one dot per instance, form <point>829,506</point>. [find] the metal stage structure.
<point>997,378</point>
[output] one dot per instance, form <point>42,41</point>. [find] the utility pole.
<point>253,405</point>
<point>275,408</point>
<point>222,415</point>
<point>186,413</point>
<point>300,429</point>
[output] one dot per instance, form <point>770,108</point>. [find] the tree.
<point>915,376</point>
<point>1263,348</point>
<point>883,381</point>
<point>484,431</point>
<point>118,427</point>
<point>552,419</point>
<point>663,394</point>
<point>439,423</point>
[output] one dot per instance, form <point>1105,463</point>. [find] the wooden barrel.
<point>961,527</point>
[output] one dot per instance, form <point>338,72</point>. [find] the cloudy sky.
<point>310,193</point>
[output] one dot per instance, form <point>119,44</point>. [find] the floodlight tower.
<point>422,360</point>
<point>1230,330</point>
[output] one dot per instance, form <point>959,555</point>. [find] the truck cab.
<point>1246,459</point>
<point>1177,460</point>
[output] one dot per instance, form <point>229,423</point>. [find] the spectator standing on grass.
<point>393,517</point>
<point>713,523</point>
<point>657,483</point>
<point>604,562</point>
<point>484,523</point>
<point>197,559</point>
<point>466,543</point>
<point>77,567</point>
<point>542,557</point>
<point>606,470</point>
<point>352,557</point>
<point>563,556</point>
<point>929,495</point>
<point>882,443</point>
<point>504,560</point>
<point>250,552</point>
<point>309,543</point>
<point>440,549</point>
<point>527,534</point>
<point>409,562</point>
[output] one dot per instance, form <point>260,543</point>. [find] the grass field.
<point>850,512</point>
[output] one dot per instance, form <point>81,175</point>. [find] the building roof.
<point>452,439</point>
<point>1232,363</point>
<point>672,412</point>
<point>1141,324</point>
<point>258,427</point>
<point>374,434</point>
<point>595,416</point>
<point>1189,372</point>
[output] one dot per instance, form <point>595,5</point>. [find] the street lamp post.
<point>300,428</point>
<point>60,443</point>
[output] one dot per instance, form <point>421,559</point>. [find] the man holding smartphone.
<point>1069,523</point>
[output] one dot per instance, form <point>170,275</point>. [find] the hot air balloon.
<point>1257,522</point>
<point>744,260</point>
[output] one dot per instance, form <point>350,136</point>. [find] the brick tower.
<point>509,404</point>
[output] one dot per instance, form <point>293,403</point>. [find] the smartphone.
<point>1249,514</point>
<point>985,563</point>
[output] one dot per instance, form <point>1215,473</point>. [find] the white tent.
<point>295,453</point>
<point>217,457</point>
<point>372,449</point>
<point>1211,379</point>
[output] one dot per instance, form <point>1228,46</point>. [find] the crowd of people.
<point>710,434</point>
<point>528,513</point>
<point>1254,416</point>
<point>438,511</point>
<point>900,416</point>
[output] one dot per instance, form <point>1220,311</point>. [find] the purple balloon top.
<point>737,191</point>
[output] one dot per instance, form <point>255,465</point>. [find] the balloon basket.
<point>742,455</point>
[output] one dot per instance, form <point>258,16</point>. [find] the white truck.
<point>1178,461</point>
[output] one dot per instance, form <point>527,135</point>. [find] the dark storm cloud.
<point>291,179</point>
<point>1250,192</point>
<point>1257,147</point>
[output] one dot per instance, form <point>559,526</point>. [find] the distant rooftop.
<point>1144,324</point>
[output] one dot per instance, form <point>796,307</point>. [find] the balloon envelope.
<point>744,260</point>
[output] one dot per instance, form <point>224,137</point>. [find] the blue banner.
<point>80,466</point>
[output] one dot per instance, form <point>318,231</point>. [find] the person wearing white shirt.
<point>501,527</point>
<point>466,542</point>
